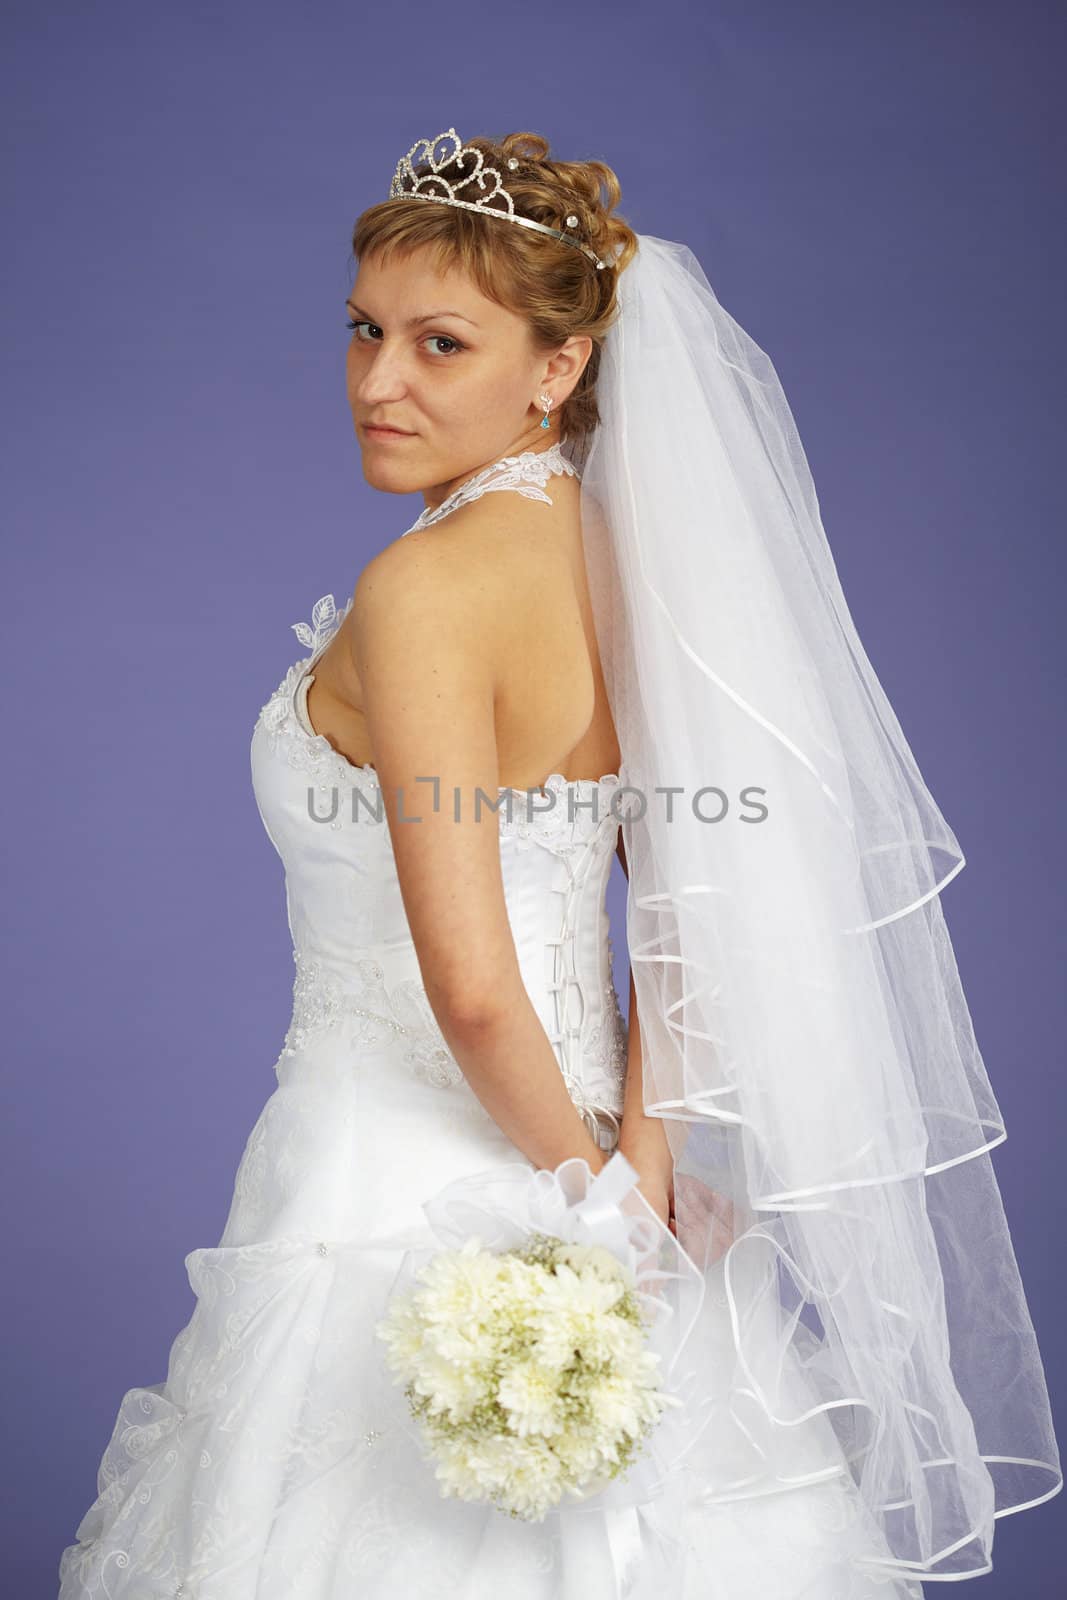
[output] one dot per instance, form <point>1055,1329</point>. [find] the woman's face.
<point>456,372</point>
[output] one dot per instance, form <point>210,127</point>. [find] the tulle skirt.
<point>277,1462</point>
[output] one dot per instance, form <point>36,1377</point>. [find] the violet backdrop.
<point>875,194</point>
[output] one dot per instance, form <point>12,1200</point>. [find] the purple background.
<point>873,193</point>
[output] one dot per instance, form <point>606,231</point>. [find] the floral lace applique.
<point>308,753</point>
<point>318,1003</point>
<point>527,818</point>
<point>302,749</point>
<point>403,1012</point>
<point>526,473</point>
<point>325,621</point>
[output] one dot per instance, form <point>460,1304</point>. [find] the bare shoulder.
<point>420,598</point>
<point>416,578</point>
<point>521,552</point>
<point>487,573</point>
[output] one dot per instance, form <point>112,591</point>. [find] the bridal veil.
<point>805,1034</point>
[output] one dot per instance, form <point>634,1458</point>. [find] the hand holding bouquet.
<point>537,1370</point>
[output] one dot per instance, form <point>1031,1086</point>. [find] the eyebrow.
<point>413,322</point>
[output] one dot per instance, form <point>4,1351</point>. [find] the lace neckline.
<point>526,473</point>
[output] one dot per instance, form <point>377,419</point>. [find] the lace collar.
<point>526,473</point>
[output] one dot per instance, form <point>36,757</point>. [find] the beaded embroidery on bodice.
<point>354,962</point>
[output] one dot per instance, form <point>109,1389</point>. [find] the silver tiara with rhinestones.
<point>493,198</point>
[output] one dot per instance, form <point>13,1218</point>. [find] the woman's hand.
<point>707,1220</point>
<point>656,1183</point>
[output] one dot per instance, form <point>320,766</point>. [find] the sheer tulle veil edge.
<point>805,1033</point>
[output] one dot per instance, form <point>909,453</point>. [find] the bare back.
<point>552,713</point>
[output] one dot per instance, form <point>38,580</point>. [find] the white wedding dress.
<point>275,1462</point>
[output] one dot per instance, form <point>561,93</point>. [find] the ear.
<point>567,365</point>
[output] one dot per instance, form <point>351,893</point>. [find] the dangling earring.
<point>546,401</point>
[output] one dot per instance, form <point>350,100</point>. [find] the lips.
<point>384,427</point>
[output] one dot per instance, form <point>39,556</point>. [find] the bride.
<point>618,590</point>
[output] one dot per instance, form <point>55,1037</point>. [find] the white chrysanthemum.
<point>467,1285</point>
<point>610,1341</point>
<point>619,1404</point>
<point>570,1291</point>
<point>465,1344</point>
<point>574,1319</point>
<point>403,1331</point>
<point>557,1339</point>
<point>521,1284</point>
<point>526,1478</point>
<point>530,1394</point>
<point>450,1388</point>
<point>470,1467</point>
<point>581,1453</point>
<point>594,1258</point>
<point>533,1478</point>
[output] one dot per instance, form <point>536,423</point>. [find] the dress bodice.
<point>354,957</point>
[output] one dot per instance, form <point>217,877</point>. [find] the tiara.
<point>407,184</point>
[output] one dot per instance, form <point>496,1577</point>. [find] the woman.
<point>453,1005</point>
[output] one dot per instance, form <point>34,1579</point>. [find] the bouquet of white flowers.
<point>531,1369</point>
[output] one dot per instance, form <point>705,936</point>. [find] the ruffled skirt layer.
<point>277,1461</point>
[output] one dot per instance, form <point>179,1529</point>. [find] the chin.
<point>392,477</point>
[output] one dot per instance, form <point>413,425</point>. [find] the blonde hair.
<point>555,287</point>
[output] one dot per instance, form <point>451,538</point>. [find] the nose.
<point>383,379</point>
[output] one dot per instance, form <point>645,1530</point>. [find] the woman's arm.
<point>643,1139</point>
<point>431,637</point>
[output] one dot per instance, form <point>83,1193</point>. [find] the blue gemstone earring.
<point>546,401</point>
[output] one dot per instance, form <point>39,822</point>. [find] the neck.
<point>440,492</point>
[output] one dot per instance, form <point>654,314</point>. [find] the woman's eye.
<point>444,338</point>
<point>439,338</point>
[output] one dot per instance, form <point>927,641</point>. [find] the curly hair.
<point>556,288</point>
